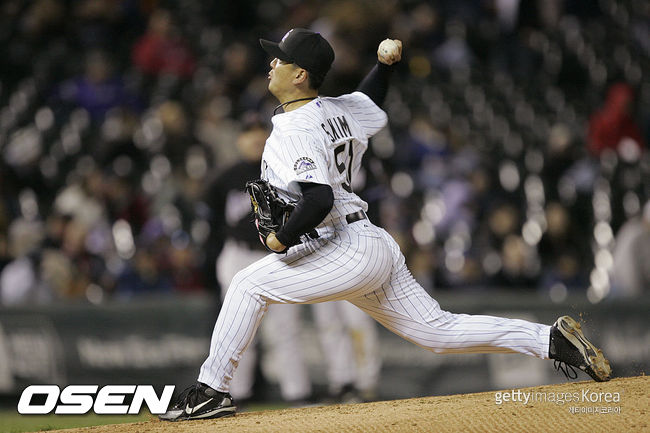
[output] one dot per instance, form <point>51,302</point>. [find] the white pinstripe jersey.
<point>322,142</point>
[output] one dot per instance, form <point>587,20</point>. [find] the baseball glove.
<point>271,212</point>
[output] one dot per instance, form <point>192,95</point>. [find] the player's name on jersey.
<point>336,128</point>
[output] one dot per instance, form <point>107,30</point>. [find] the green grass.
<point>13,422</point>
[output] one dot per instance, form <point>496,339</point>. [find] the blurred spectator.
<point>520,263</point>
<point>507,259</point>
<point>613,123</point>
<point>123,202</point>
<point>217,130</point>
<point>99,89</point>
<point>98,22</point>
<point>184,265</point>
<point>141,276</point>
<point>54,229</point>
<point>631,269</point>
<point>563,255</point>
<point>118,157</point>
<point>238,69</point>
<point>19,277</point>
<point>42,16</point>
<point>68,271</point>
<point>28,29</point>
<point>82,199</point>
<point>454,53</point>
<point>560,156</point>
<point>162,50</point>
<point>176,130</point>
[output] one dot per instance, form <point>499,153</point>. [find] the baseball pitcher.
<point>326,249</point>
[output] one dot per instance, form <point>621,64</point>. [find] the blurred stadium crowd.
<point>515,155</point>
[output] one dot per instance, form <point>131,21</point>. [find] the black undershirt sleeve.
<point>317,199</point>
<point>316,202</point>
<point>375,84</point>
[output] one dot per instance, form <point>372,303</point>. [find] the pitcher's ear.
<point>301,76</point>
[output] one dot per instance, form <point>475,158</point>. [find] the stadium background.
<point>510,174</point>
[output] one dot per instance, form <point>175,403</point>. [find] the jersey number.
<point>341,166</point>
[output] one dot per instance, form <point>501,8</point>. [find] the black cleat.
<point>348,395</point>
<point>570,347</point>
<point>199,401</point>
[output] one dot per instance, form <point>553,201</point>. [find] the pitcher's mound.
<point>618,405</point>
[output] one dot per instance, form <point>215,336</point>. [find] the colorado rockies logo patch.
<point>304,164</point>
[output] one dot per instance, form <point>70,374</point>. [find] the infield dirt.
<point>620,405</point>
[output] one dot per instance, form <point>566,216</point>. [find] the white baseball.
<point>388,47</point>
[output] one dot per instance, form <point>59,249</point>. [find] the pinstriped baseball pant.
<point>360,263</point>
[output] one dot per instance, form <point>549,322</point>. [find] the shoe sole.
<point>597,365</point>
<point>221,412</point>
<point>217,413</point>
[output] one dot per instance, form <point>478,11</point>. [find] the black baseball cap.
<point>305,48</point>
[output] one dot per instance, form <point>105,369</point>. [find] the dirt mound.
<point>619,405</point>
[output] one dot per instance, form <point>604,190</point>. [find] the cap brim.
<point>274,50</point>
